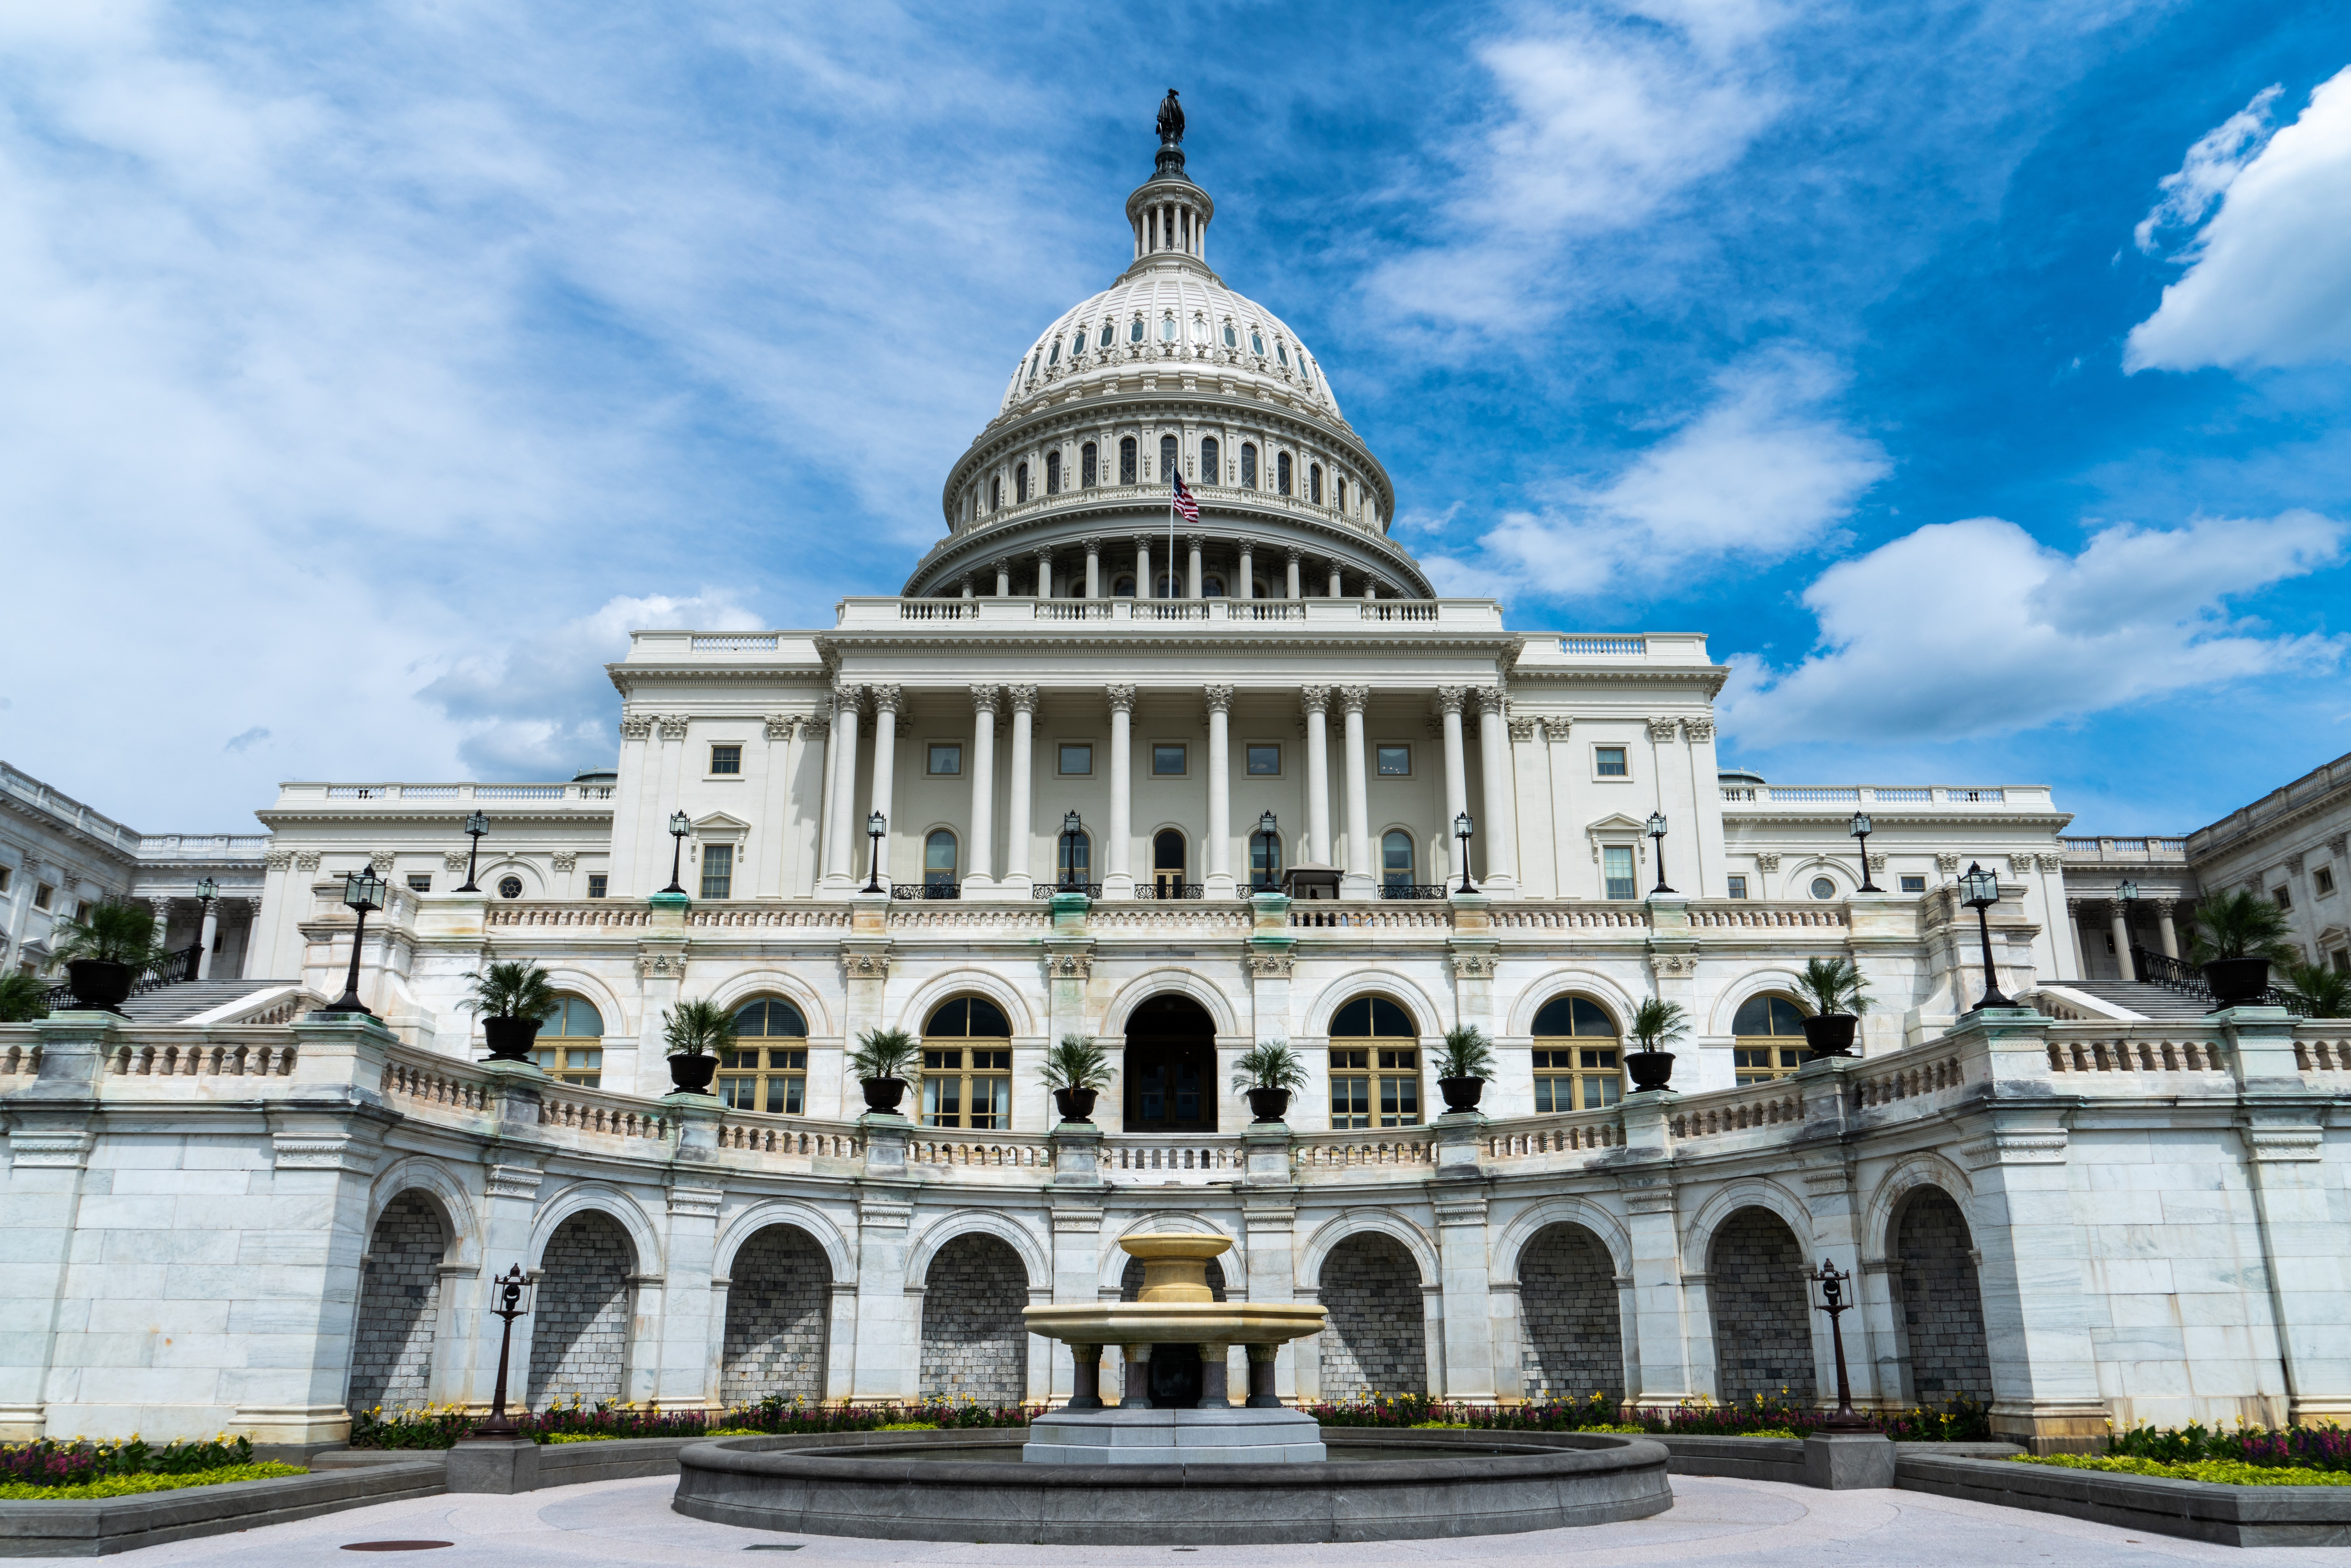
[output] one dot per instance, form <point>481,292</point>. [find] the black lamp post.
<point>2128,892</point>
<point>511,1288</point>
<point>1657,836</point>
<point>1831,1281</point>
<point>680,824</point>
<point>1861,830</point>
<point>207,890</point>
<point>476,825</point>
<point>1268,830</point>
<point>1463,828</point>
<point>1980,890</point>
<point>1074,833</point>
<point>875,826</point>
<point>364,890</point>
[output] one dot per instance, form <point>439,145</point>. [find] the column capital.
<point>1023,698</point>
<point>2166,907</point>
<point>1093,546</point>
<point>848,698</point>
<point>885,698</point>
<point>1664,729</point>
<point>1492,699</point>
<point>1316,698</point>
<point>1044,552</point>
<point>1451,699</point>
<point>1353,698</point>
<point>1122,698</point>
<point>781,725</point>
<point>1695,730</point>
<point>984,699</point>
<point>1219,698</point>
<point>1293,554</point>
<point>636,726</point>
<point>1196,541</point>
<point>817,729</point>
<point>672,727</point>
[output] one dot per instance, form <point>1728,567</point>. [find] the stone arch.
<point>1355,1221</point>
<point>1555,984</point>
<point>1035,1261</point>
<point>534,880</point>
<point>1114,1262</point>
<point>1571,1324</point>
<point>1168,977</point>
<point>975,1342</point>
<point>737,989</point>
<point>399,1306</point>
<point>1697,1236</point>
<point>1762,1309</point>
<point>1510,1243</point>
<point>1798,886</point>
<point>1938,1314</point>
<point>614,1205</point>
<point>581,1312</point>
<point>1745,988</point>
<point>1377,1338</point>
<point>778,1304</point>
<point>917,1009</point>
<point>428,1177</point>
<point>619,1027</point>
<point>1424,1008</point>
<point>1922,1168</point>
<point>839,1258</point>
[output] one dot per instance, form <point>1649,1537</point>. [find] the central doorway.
<point>1171,1065</point>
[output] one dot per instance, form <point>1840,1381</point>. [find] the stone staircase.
<point>2150,1001</point>
<point>189,999</point>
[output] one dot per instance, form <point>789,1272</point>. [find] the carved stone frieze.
<point>1070,966</point>
<point>1673,966</point>
<point>1473,965</point>
<point>866,966</point>
<point>636,726</point>
<point>1947,862</point>
<point>1270,966</point>
<point>566,860</point>
<point>660,966</point>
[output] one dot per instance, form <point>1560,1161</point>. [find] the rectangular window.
<point>1373,1088</point>
<point>1914,884</point>
<point>1167,761</point>
<point>1738,887</point>
<point>580,1064</point>
<point>1394,761</point>
<point>1583,1078</point>
<point>2284,896</point>
<point>774,1082</point>
<point>1265,762</point>
<point>7,876</point>
<point>597,882</point>
<point>717,870</point>
<point>1077,761</point>
<point>2322,879</point>
<point>1616,864</point>
<point>1608,762</point>
<point>1763,1064</point>
<point>42,895</point>
<point>968,1088</point>
<point>419,884</point>
<point>725,760</point>
<point>946,760</point>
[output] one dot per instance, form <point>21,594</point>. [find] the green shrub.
<point>2220,1472</point>
<point>131,1485</point>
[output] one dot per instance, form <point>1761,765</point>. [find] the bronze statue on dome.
<point>1171,119</point>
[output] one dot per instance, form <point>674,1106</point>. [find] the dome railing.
<point>1444,614</point>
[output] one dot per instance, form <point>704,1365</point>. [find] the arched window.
<point>1020,481</point>
<point>1396,860</point>
<point>1123,585</point>
<point>1089,467</point>
<point>1054,356</point>
<point>1248,465</point>
<point>1314,482</point>
<point>1265,862</point>
<point>1212,585</point>
<point>1108,333</point>
<point>967,1065</point>
<point>1169,455</point>
<point>1769,1033</point>
<point>1074,858</point>
<point>1211,463</point>
<point>1281,472</point>
<point>1034,361</point>
<point>1342,487</point>
<point>1134,330</point>
<point>1575,1057</point>
<point>1167,329</point>
<point>1199,330</point>
<point>995,492</point>
<point>1282,352</point>
<point>1257,343</point>
<point>1170,586</point>
<point>939,859</point>
<point>1126,460</point>
<point>1230,341</point>
<point>1374,1065</point>
<point>1052,473</point>
<point>1168,863</point>
<point>1078,344</point>
<point>570,1044</point>
<point>768,1069</point>
<point>1305,371</point>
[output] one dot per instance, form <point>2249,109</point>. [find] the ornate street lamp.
<point>680,824</point>
<point>1832,1281</point>
<point>362,891</point>
<point>1860,829</point>
<point>1074,833</point>
<point>1465,830</point>
<point>875,826</point>
<point>207,890</point>
<point>2128,892</point>
<point>1657,834</point>
<point>511,1288</point>
<point>1268,830</point>
<point>476,825</point>
<point>1980,890</point>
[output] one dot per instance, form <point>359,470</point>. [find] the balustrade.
<point>1780,1103</point>
<point>1583,1133</point>
<point>2079,1048</point>
<point>597,1114</point>
<point>775,1136</point>
<point>1908,1083</point>
<point>1325,915</point>
<point>434,1086</point>
<point>1000,1151</point>
<point>2323,1055</point>
<point>1171,1159</point>
<point>1323,1152</point>
<point>591,913</point>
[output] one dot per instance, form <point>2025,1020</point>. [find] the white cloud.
<point>1765,472</point>
<point>2269,276</point>
<point>1975,628</point>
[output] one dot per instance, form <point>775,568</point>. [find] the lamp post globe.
<point>876,826</point>
<point>1861,827</point>
<point>362,891</point>
<point>1656,826</point>
<point>1980,890</point>
<point>680,824</point>
<point>476,825</point>
<point>1464,828</point>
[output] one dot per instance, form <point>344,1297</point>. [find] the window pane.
<point>1395,761</point>
<point>727,759</point>
<point>947,759</point>
<point>1167,761</point>
<point>717,870</point>
<point>1738,887</point>
<point>1077,760</point>
<point>1616,860</point>
<point>1610,760</point>
<point>1265,759</point>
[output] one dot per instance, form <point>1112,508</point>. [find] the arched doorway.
<point>1171,1066</point>
<point>1167,849</point>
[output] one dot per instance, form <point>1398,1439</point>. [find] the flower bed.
<point>1962,1421</point>
<point>440,1426</point>
<point>2221,1472</point>
<point>81,1469</point>
<point>130,1486</point>
<point>2325,1448</point>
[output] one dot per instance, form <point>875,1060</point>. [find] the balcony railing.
<point>1851,795</point>
<point>452,794</point>
<point>1414,890</point>
<point>2177,975</point>
<point>1169,890</point>
<point>2146,849</point>
<point>917,891</point>
<point>1026,611</point>
<point>1047,889</point>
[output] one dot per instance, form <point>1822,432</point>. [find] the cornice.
<point>52,822</point>
<point>375,811</point>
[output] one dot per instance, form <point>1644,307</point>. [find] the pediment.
<point>1618,823</point>
<point>720,824</point>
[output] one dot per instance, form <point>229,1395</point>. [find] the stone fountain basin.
<point>969,1486</point>
<point>1177,1323</point>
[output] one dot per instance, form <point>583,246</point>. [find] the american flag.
<point>1185,503</point>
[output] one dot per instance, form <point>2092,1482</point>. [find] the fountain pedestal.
<point>1232,1436</point>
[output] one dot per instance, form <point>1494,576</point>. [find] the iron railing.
<point>1414,890</point>
<point>925,890</point>
<point>1167,889</point>
<point>1047,889</point>
<point>168,969</point>
<point>2179,975</point>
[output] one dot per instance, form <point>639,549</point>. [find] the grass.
<point>132,1485</point>
<point>2220,1472</point>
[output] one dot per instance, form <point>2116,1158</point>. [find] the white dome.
<point>1170,292</point>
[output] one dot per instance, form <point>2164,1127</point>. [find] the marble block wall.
<point>1763,1342</point>
<point>975,1344</point>
<point>1571,1343</point>
<point>1379,1338</point>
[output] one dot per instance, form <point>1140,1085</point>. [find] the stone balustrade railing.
<point>1001,1151</point>
<point>2081,1050</point>
<point>1171,1159</point>
<point>1313,1153</point>
<point>436,1082</point>
<point>1335,915</point>
<point>1578,1131</point>
<point>1911,1080</point>
<point>2329,1052</point>
<point>204,1058</point>
<point>20,1060</point>
<point>766,917</point>
<point>1775,1105</point>
<point>591,914</point>
<point>760,1134</point>
<point>1569,917</point>
<point>1828,919</point>
<point>592,1110</point>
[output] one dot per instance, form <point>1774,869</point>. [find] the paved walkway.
<point>1713,1522</point>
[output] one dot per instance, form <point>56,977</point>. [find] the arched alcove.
<point>1762,1315</point>
<point>580,1329</point>
<point>975,1342</point>
<point>400,1296</point>
<point>777,1290</point>
<point>1572,1339</point>
<point>1170,1067</point>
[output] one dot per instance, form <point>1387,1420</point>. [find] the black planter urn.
<point>1830,1034</point>
<point>2234,982</point>
<point>1076,1104</point>
<point>1268,1104</point>
<point>691,1075</point>
<point>884,1093</point>
<point>99,983</point>
<point>1650,1070</point>
<point>510,1040</point>
<point>1461,1094</point>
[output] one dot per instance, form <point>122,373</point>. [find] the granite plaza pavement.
<point>1732,1523</point>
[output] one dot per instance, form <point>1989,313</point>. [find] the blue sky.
<point>1977,376</point>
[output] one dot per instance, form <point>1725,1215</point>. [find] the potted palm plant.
<point>1656,1024</point>
<point>2237,937</point>
<point>879,1061</point>
<point>514,999</point>
<point>1839,996</point>
<point>2324,990</point>
<point>104,950</point>
<point>23,999</point>
<point>1076,1070</point>
<point>1462,1063</point>
<point>694,1033</point>
<point>1270,1073</point>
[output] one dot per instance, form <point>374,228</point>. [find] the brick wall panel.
<point>1377,1340</point>
<point>392,1347</point>
<point>579,1342</point>
<point>1571,1341</point>
<point>777,1301</point>
<point>1762,1328</point>
<point>1942,1304</point>
<point>974,1344</point>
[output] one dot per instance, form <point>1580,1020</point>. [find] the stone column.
<point>2118,918</point>
<point>1093,569</point>
<point>886,766</point>
<point>1044,574</point>
<point>966,586</point>
<point>1193,543</point>
<point>1336,591</point>
<point>1291,581</point>
<point>2165,931</point>
<point>1219,882</point>
<point>1003,580</point>
<point>1318,846</point>
<point>780,765</point>
<point>1498,831</point>
<point>1249,572</point>
<point>1020,793</point>
<point>1119,881</point>
<point>629,806</point>
<point>1361,872</point>
<point>1145,586</point>
<point>206,933</point>
<point>980,857</point>
<point>1465,1331</point>
<point>1449,703</point>
<point>2073,912</point>
<point>683,1361</point>
<point>672,728</point>
<point>840,862</point>
<point>161,907</point>
<point>1668,1319</point>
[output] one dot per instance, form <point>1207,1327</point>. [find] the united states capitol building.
<point>1240,746</point>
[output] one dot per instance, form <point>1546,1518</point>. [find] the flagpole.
<point>1171,532</point>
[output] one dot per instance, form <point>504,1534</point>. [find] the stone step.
<point>2146,1000</point>
<point>188,999</point>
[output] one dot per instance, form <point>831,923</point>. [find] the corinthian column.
<point>1318,845</point>
<point>1119,881</point>
<point>1498,831</point>
<point>1449,703</point>
<point>1219,881</point>
<point>839,867</point>
<point>980,864</point>
<point>1019,790</point>
<point>1361,878</point>
<point>885,767</point>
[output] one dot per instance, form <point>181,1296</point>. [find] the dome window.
<point>1168,455</point>
<point>1304,373</point>
<point>1282,352</point>
<point>1342,494</point>
<point>1199,330</point>
<point>1167,329</point>
<point>1108,332</point>
<point>1089,467</point>
<point>1134,330</point>
<point>996,493</point>
<point>1232,340</point>
<point>1314,482</point>
<point>1020,482</point>
<point>1126,456</point>
<point>1034,359</point>
<point>1212,464</point>
<point>1257,343</point>
<point>1055,357</point>
<point>1248,465</point>
<point>1078,344</point>
<point>1281,472</point>
<point>1052,473</point>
